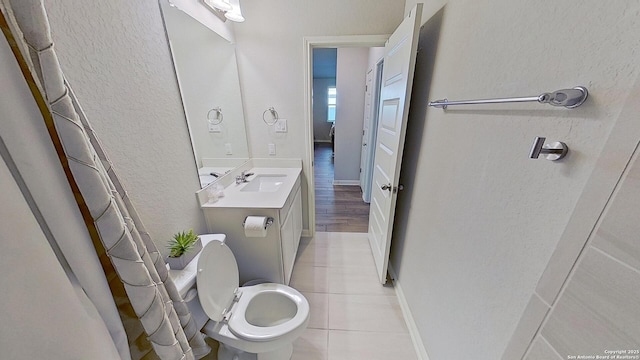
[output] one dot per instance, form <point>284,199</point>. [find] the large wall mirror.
<point>207,73</point>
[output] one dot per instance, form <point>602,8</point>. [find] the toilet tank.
<point>185,281</point>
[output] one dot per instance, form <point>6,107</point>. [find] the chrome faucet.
<point>242,178</point>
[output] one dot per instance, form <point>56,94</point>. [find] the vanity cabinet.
<point>271,257</point>
<point>290,232</point>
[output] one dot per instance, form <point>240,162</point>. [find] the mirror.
<point>207,72</point>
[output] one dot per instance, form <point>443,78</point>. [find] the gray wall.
<point>350,85</point>
<point>116,56</point>
<point>478,220</point>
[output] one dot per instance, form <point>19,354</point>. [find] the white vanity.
<point>272,191</point>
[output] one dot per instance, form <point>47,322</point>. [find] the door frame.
<point>310,43</point>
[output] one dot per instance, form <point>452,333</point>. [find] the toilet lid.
<point>217,279</point>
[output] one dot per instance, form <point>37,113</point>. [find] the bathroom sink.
<point>265,183</point>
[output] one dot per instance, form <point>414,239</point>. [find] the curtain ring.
<point>274,116</point>
<point>219,117</point>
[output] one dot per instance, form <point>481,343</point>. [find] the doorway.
<point>335,206</point>
<point>343,108</point>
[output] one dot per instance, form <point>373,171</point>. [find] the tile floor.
<point>353,317</point>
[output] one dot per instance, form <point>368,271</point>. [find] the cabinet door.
<point>296,213</point>
<point>288,245</point>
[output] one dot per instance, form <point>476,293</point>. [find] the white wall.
<point>208,74</point>
<point>116,56</point>
<point>478,220</point>
<point>351,79</point>
<point>270,61</point>
<point>321,126</point>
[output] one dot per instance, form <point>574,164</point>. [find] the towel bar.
<point>569,98</point>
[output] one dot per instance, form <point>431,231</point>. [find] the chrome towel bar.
<point>569,98</point>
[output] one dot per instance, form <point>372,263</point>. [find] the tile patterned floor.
<point>353,317</point>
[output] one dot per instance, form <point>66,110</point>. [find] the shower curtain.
<point>114,222</point>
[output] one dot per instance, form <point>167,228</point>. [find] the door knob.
<point>386,187</point>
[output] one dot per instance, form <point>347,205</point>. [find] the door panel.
<point>366,128</point>
<point>397,80</point>
<point>372,134</point>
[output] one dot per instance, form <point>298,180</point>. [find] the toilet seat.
<point>217,279</point>
<point>242,328</point>
<point>228,305</point>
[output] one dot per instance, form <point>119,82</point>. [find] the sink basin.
<point>265,183</point>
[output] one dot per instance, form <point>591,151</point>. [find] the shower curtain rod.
<point>569,98</point>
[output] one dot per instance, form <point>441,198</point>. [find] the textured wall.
<point>115,55</point>
<point>350,82</point>
<point>270,60</point>
<point>478,220</point>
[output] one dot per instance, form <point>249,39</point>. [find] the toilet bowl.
<point>258,322</point>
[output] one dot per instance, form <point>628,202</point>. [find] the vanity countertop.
<point>235,198</point>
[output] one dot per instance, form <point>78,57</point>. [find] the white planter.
<point>178,263</point>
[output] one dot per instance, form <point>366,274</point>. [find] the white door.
<point>365,129</point>
<point>397,79</point>
<point>367,170</point>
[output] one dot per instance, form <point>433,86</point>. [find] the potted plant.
<point>183,248</point>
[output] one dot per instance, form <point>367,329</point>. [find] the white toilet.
<point>258,322</point>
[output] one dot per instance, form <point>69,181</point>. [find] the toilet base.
<point>226,352</point>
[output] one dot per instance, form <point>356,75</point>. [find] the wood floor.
<point>339,208</point>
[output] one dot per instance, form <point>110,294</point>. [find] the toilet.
<point>258,322</point>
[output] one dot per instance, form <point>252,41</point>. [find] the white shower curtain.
<point>153,295</point>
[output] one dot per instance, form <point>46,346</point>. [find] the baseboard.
<point>306,233</point>
<point>421,351</point>
<point>347,182</point>
<point>322,141</point>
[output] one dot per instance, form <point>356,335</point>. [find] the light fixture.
<point>222,5</point>
<point>235,14</point>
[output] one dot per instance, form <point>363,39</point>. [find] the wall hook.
<point>552,151</point>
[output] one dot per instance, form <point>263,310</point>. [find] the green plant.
<point>181,243</point>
